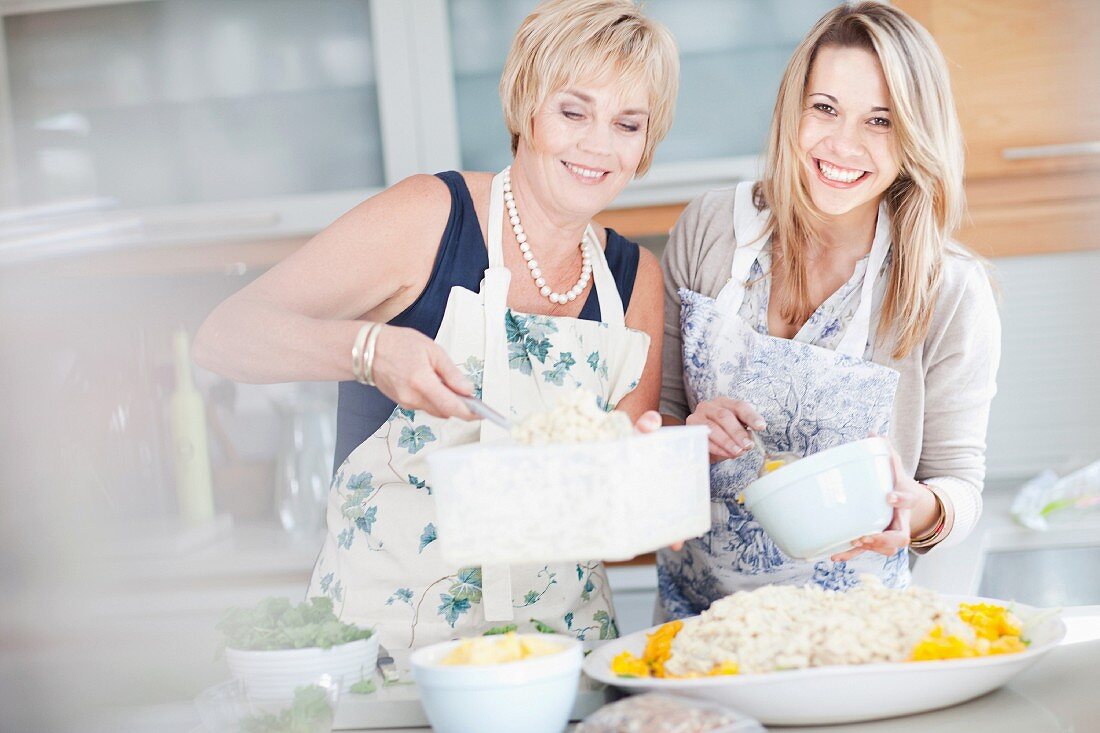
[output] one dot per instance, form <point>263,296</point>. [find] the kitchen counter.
<point>1056,695</point>
<point>958,570</point>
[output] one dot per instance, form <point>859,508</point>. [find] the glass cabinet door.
<point>732,55</point>
<point>193,101</point>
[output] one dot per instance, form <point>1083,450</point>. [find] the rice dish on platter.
<point>777,628</point>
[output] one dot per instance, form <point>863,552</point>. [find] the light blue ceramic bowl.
<point>818,505</point>
<point>534,695</point>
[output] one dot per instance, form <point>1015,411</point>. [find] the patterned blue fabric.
<point>825,326</point>
<point>812,398</point>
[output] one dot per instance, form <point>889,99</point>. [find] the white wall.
<point>1047,410</point>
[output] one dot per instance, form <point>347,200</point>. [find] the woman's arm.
<point>962,353</point>
<point>298,321</point>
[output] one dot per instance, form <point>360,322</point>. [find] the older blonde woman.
<point>827,301</point>
<point>494,285</point>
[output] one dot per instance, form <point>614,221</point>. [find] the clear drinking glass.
<point>230,708</point>
<point>305,466</point>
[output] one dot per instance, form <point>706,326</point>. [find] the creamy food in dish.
<point>510,647</point>
<point>576,418</point>
<point>785,627</point>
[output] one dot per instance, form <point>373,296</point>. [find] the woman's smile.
<point>838,176</point>
<point>584,174</point>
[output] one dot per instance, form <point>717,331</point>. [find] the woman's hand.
<point>416,373</point>
<point>727,420</point>
<point>648,422</point>
<point>908,497</point>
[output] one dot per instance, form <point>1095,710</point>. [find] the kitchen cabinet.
<point>1023,78</point>
<point>193,120</point>
<point>174,123</point>
<point>246,127</point>
<point>177,122</point>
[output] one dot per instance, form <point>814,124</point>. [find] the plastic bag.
<point>654,712</point>
<point>1047,498</point>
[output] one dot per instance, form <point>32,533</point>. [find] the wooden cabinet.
<point>1023,74</point>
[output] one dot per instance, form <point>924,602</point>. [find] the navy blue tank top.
<point>462,260</point>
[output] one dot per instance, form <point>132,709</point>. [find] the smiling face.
<point>586,143</point>
<point>845,137</point>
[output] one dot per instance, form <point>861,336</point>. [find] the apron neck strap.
<point>494,243</point>
<point>494,291</point>
<point>748,231</point>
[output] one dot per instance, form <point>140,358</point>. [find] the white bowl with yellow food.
<point>816,506</point>
<point>499,684</point>
<point>795,656</point>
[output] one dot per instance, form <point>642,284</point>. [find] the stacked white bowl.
<point>271,675</point>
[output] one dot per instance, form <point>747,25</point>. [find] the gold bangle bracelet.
<point>357,351</point>
<point>940,528</point>
<point>368,355</point>
<point>934,527</point>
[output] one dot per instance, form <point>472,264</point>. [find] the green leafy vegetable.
<point>508,628</point>
<point>310,712</point>
<point>275,624</point>
<point>542,628</point>
<point>363,687</point>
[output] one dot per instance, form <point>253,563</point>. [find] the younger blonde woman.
<point>827,302</point>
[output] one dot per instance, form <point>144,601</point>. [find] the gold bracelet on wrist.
<point>940,527</point>
<point>368,354</point>
<point>357,349</point>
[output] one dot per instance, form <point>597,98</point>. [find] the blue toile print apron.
<point>814,392</point>
<point>380,564</point>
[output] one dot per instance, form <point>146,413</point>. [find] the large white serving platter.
<point>843,694</point>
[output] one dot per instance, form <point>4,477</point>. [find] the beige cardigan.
<point>941,409</point>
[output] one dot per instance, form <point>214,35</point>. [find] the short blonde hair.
<point>925,203</point>
<point>565,41</point>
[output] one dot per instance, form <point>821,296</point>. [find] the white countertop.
<point>1057,695</point>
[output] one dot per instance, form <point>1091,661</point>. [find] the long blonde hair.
<point>925,203</point>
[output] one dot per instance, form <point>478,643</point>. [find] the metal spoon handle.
<point>758,442</point>
<point>483,411</point>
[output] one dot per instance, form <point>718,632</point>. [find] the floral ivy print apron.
<point>814,392</point>
<point>380,564</point>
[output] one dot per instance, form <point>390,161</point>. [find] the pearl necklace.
<point>529,257</point>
